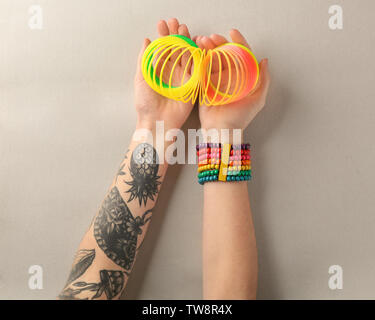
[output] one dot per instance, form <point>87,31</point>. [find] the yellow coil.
<point>176,68</point>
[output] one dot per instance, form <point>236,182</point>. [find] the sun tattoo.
<point>143,169</point>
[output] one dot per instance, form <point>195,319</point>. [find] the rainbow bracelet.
<point>223,162</point>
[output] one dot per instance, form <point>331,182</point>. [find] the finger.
<point>183,30</point>
<point>199,42</point>
<point>237,37</point>
<point>138,74</point>
<point>173,26</point>
<point>208,43</point>
<point>163,29</point>
<point>218,39</point>
<point>264,82</point>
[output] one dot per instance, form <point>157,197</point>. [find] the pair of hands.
<point>152,107</point>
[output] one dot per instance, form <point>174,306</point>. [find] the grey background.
<point>66,117</point>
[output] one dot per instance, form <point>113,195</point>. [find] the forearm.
<point>108,250</point>
<point>229,246</point>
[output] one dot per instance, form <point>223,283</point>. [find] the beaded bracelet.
<point>223,162</point>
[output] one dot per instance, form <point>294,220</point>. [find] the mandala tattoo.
<point>143,170</point>
<point>116,230</point>
<point>111,281</point>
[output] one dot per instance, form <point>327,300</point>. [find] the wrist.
<point>155,124</point>
<point>154,134</point>
<point>223,162</point>
<point>222,135</point>
<point>146,124</point>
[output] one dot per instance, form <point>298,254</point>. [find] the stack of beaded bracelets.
<point>223,162</point>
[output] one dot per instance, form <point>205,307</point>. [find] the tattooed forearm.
<point>143,170</point>
<point>116,230</point>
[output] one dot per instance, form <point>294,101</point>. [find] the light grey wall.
<point>66,116</point>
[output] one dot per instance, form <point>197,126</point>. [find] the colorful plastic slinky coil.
<point>175,67</point>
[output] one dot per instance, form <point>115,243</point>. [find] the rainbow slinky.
<point>219,76</point>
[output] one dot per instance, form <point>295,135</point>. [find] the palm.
<point>151,106</point>
<point>230,116</point>
<point>240,113</point>
<point>155,107</point>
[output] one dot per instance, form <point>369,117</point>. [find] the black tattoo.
<point>116,230</point>
<point>111,283</point>
<point>143,169</point>
<point>126,154</point>
<point>83,260</point>
<point>121,171</point>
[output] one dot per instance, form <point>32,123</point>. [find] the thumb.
<point>264,81</point>
<point>138,74</point>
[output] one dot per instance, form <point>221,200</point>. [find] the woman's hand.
<point>150,105</point>
<point>239,114</point>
